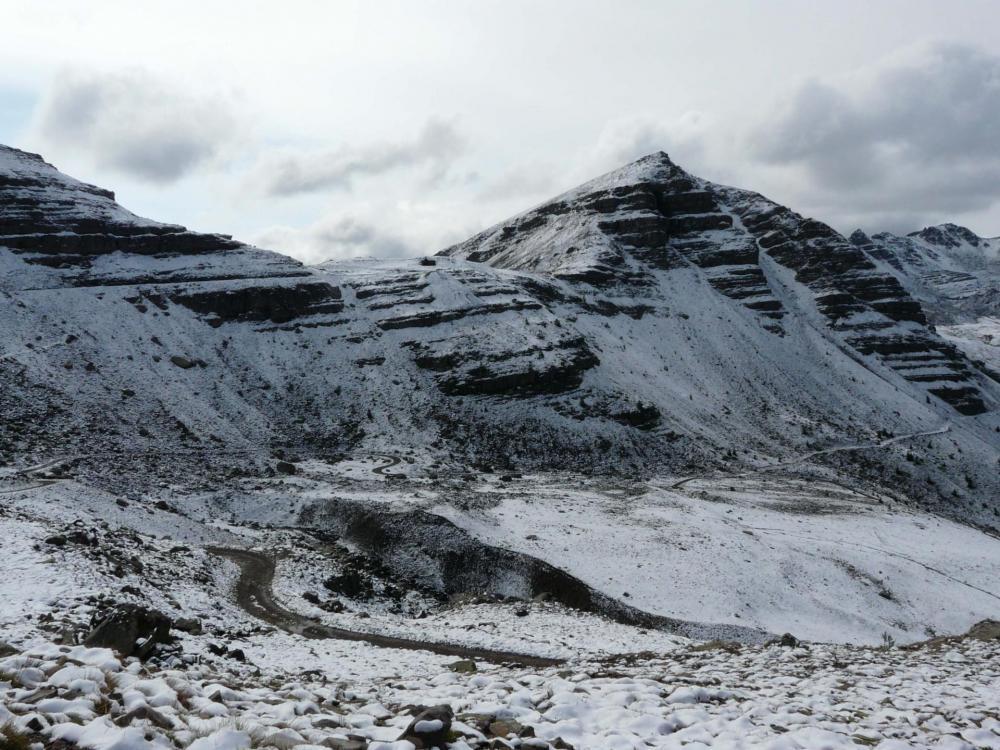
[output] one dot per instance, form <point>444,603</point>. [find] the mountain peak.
<point>582,234</point>
<point>31,187</point>
<point>656,167</point>
<point>25,169</point>
<point>948,235</point>
<point>649,226</point>
<point>657,160</point>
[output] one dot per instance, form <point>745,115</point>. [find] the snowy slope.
<point>650,410</point>
<point>647,322</point>
<point>743,555</point>
<point>980,340</point>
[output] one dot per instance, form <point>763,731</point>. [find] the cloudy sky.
<point>338,129</point>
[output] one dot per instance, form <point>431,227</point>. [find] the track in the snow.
<point>813,454</point>
<point>255,596</point>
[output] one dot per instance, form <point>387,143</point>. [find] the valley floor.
<point>781,553</point>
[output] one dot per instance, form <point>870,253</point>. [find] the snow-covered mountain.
<point>955,274</point>
<point>648,321</point>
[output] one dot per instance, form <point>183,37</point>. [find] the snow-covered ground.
<point>780,698</point>
<point>772,551</point>
<point>780,548</point>
<point>767,550</point>
<point>814,559</point>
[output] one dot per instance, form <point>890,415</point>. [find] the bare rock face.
<point>620,228</point>
<point>955,276</point>
<point>950,270</point>
<point>278,303</point>
<point>53,221</point>
<point>985,630</point>
<point>56,220</point>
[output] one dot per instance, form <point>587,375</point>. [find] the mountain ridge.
<point>695,329</point>
<point>653,214</point>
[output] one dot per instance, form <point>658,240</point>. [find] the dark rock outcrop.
<point>44,212</point>
<point>430,728</point>
<point>131,630</point>
<point>278,303</point>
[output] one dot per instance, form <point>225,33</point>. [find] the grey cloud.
<point>917,136</point>
<point>436,147</point>
<point>353,238</point>
<point>345,237</point>
<point>134,123</point>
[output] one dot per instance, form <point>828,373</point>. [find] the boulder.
<point>190,625</point>
<point>350,583</point>
<point>143,712</point>
<point>285,467</point>
<point>431,727</point>
<point>86,537</point>
<point>183,362</point>
<point>507,727</point>
<point>131,630</point>
<point>351,743</point>
<point>986,630</point>
<point>463,666</point>
<point>788,641</point>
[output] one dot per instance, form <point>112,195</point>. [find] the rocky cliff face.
<point>648,321</point>
<point>616,231</point>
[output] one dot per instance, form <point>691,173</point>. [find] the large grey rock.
<point>430,728</point>
<point>131,630</point>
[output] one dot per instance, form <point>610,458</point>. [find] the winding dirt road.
<point>390,461</point>
<point>254,594</point>
<point>813,454</point>
<point>33,482</point>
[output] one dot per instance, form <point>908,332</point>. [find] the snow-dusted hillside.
<point>606,453</point>
<point>646,322</point>
<point>955,274</point>
<point>814,558</point>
